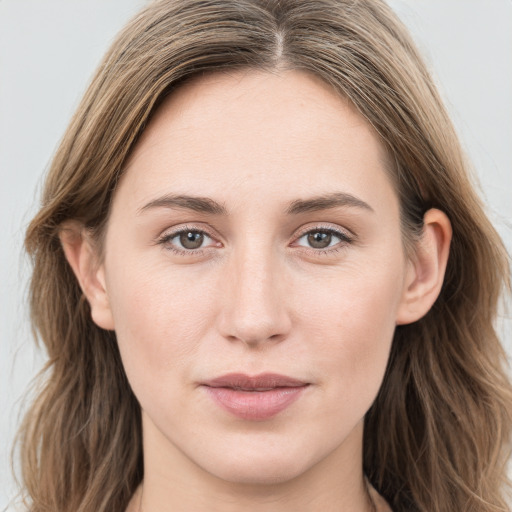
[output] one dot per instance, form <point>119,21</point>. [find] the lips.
<point>254,398</point>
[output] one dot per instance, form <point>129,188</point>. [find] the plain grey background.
<point>48,51</point>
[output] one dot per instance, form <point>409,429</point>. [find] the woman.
<point>263,278</point>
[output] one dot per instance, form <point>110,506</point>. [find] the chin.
<point>262,477</point>
<point>261,469</point>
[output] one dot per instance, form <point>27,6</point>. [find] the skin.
<point>256,296</point>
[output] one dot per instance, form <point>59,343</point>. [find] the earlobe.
<point>426,271</point>
<point>81,255</point>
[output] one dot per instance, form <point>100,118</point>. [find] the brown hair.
<point>437,437</point>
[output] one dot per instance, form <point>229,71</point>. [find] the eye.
<point>191,239</point>
<point>322,238</point>
<point>187,240</point>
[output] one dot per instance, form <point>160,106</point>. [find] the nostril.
<point>254,339</point>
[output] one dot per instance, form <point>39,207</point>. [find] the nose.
<point>254,306</point>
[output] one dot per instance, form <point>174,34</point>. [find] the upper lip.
<point>261,382</point>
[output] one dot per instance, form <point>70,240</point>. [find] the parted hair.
<point>437,436</point>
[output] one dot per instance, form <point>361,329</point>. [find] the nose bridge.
<point>255,306</point>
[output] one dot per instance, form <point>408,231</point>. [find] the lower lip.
<point>255,405</point>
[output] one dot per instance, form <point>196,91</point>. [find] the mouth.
<point>255,398</point>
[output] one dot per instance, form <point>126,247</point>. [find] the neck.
<point>174,482</point>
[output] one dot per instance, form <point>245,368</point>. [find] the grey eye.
<point>191,239</point>
<point>322,238</point>
<point>319,239</point>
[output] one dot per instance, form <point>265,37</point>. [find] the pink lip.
<point>254,398</point>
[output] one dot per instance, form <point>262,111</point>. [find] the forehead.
<point>249,130</point>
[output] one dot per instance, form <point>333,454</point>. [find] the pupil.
<point>191,240</point>
<point>319,240</point>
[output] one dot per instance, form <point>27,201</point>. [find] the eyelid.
<point>180,228</point>
<point>342,231</point>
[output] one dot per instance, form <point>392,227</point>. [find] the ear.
<point>427,268</point>
<point>82,256</point>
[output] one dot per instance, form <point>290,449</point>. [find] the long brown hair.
<point>437,437</point>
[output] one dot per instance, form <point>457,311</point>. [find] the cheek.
<point>160,318</point>
<point>352,319</point>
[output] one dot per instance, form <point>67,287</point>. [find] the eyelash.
<point>345,239</point>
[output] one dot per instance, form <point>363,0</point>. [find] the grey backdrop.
<point>48,50</point>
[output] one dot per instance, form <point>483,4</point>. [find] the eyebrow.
<point>326,202</point>
<point>194,203</point>
<point>211,207</point>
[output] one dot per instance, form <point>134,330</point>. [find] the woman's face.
<point>255,231</point>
